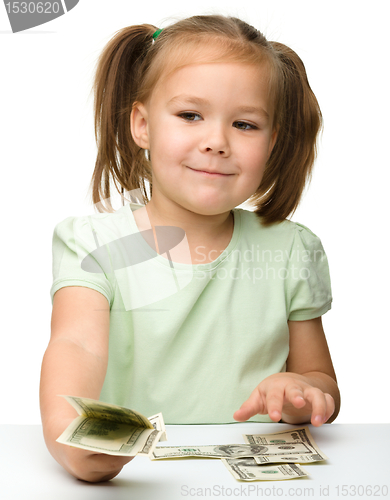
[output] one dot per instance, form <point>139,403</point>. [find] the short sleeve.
<point>73,240</point>
<point>309,292</point>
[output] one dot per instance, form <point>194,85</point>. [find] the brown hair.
<point>131,65</point>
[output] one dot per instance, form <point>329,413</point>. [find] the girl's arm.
<point>75,364</point>
<point>308,390</point>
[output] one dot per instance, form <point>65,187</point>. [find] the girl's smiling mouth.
<point>210,174</point>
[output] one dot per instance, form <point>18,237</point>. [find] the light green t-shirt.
<point>193,341</point>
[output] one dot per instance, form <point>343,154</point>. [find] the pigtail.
<point>298,121</point>
<point>115,86</point>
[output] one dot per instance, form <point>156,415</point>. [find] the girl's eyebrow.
<point>200,101</point>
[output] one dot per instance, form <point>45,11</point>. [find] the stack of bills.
<point>246,461</point>
<point>112,429</point>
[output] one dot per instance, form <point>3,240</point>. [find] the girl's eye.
<point>191,117</point>
<point>244,126</point>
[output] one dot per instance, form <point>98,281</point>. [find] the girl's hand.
<point>92,467</point>
<point>82,464</point>
<point>290,397</point>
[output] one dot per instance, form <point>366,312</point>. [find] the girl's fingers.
<point>294,395</point>
<point>318,403</point>
<point>252,406</point>
<point>275,400</point>
<point>330,406</point>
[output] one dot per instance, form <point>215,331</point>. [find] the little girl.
<point>181,302</point>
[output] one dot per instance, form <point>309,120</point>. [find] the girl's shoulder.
<point>104,223</point>
<point>284,230</point>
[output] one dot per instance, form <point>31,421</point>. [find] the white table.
<point>358,467</point>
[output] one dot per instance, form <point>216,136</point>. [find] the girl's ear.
<point>274,136</point>
<point>139,125</point>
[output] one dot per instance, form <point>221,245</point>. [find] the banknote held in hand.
<point>111,429</point>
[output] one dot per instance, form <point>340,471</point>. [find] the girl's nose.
<point>215,142</point>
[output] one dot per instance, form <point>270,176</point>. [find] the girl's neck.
<point>207,235</point>
<point>198,227</point>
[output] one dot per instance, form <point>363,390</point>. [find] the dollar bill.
<point>295,445</point>
<point>158,423</point>
<point>270,453</point>
<point>111,429</point>
<point>247,469</point>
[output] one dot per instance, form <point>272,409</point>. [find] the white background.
<point>48,154</point>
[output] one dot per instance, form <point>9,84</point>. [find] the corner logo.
<point>25,15</point>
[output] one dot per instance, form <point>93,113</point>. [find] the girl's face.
<point>210,133</point>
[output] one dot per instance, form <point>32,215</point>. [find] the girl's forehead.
<point>207,50</point>
<point>217,81</point>
<point>218,74</point>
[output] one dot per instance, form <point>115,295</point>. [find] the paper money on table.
<point>158,423</point>
<point>111,429</point>
<point>266,454</point>
<point>295,445</point>
<point>206,451</point>
<point>247,469</point>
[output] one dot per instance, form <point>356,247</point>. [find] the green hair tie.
<point>156,33</point>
